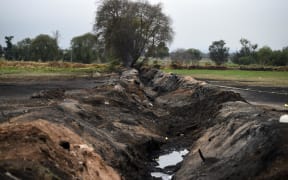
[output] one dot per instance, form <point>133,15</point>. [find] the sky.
<point>196,23</point>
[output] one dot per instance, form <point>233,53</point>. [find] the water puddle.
<point>168,160</point>
<point>161,175</point>
<point>284,119</point>
<point>171,159</point>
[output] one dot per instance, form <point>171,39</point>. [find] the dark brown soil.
<point>260,95</point>
<point>111,127</point>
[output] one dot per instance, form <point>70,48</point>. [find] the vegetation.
<point>161,51</point>
<point>44,48</point>
<point>218,52</point>
<point>24,50</point>
<point>8,51</point>
<point>127,29</point>
<point>247,53</point>
<point>51,68</point>
<point>85,48</point>
<point>186,56</point>
<point>1,51</point>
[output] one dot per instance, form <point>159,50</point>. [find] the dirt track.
<point>121,121</point>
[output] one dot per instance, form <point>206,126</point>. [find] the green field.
<point>275,78</point>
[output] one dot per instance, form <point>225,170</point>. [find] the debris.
<point>11,176</point>
<point>201,155</point>
<point>284,119</point>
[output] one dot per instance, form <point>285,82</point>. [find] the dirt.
<point>258,95</point>
<point>114,125</point>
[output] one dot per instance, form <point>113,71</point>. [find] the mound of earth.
<point>113,131</point>
<point>40,149</point>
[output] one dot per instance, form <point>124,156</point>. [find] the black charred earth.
<point>113,126</point>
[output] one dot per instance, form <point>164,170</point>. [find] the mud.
<point>258,95</point>
<point>113,126</point>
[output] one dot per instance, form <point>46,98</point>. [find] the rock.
<point>96,74</point>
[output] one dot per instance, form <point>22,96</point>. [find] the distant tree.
<point>218,52</point>
<point>280,58</point>
<point>179,56</point>
<point>24,49</point>
<point>284,60</point>
<point>44,48</point>
<point>194,55</point>
<point>66,54</point>
<point>8,50</point>
<point>186,56</point>
<point>264,55</point>
<point>1,51</point>
<point>247,54</point>
<point>85,48</point>
<point>56,35</point>
<point>247,47</point>
<point>161,51</point>
<point>128,28</point>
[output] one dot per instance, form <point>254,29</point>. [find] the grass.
<point>14,68</point>
<point>274,78</point>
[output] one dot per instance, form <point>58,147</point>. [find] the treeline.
<point>219,53</point>
<point>249,54</point>
<point>44,47</point>
<point>87,49</point>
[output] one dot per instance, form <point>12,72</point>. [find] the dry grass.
<point>52,64</point>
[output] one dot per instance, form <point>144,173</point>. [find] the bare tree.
<point>56,35</point>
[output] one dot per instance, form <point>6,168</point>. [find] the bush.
<point>156,65</point>
<point>114,65</point>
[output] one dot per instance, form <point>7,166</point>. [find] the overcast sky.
<point>196,22</point>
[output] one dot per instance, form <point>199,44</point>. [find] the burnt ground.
<point>24,88</point>
<point>258,95</point>
<point>110,127</point>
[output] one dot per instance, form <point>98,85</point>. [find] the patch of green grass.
<point>275,78</point>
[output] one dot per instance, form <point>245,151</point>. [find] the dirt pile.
<point>43,150</point>
<point>129,117</point>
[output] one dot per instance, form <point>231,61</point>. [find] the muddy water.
<point>168,160</point>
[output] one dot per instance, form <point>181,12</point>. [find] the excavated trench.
<point>140,125</point>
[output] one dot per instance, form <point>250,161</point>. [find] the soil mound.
<point>43,150</point>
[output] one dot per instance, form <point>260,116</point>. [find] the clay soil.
<point>112,127</point>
